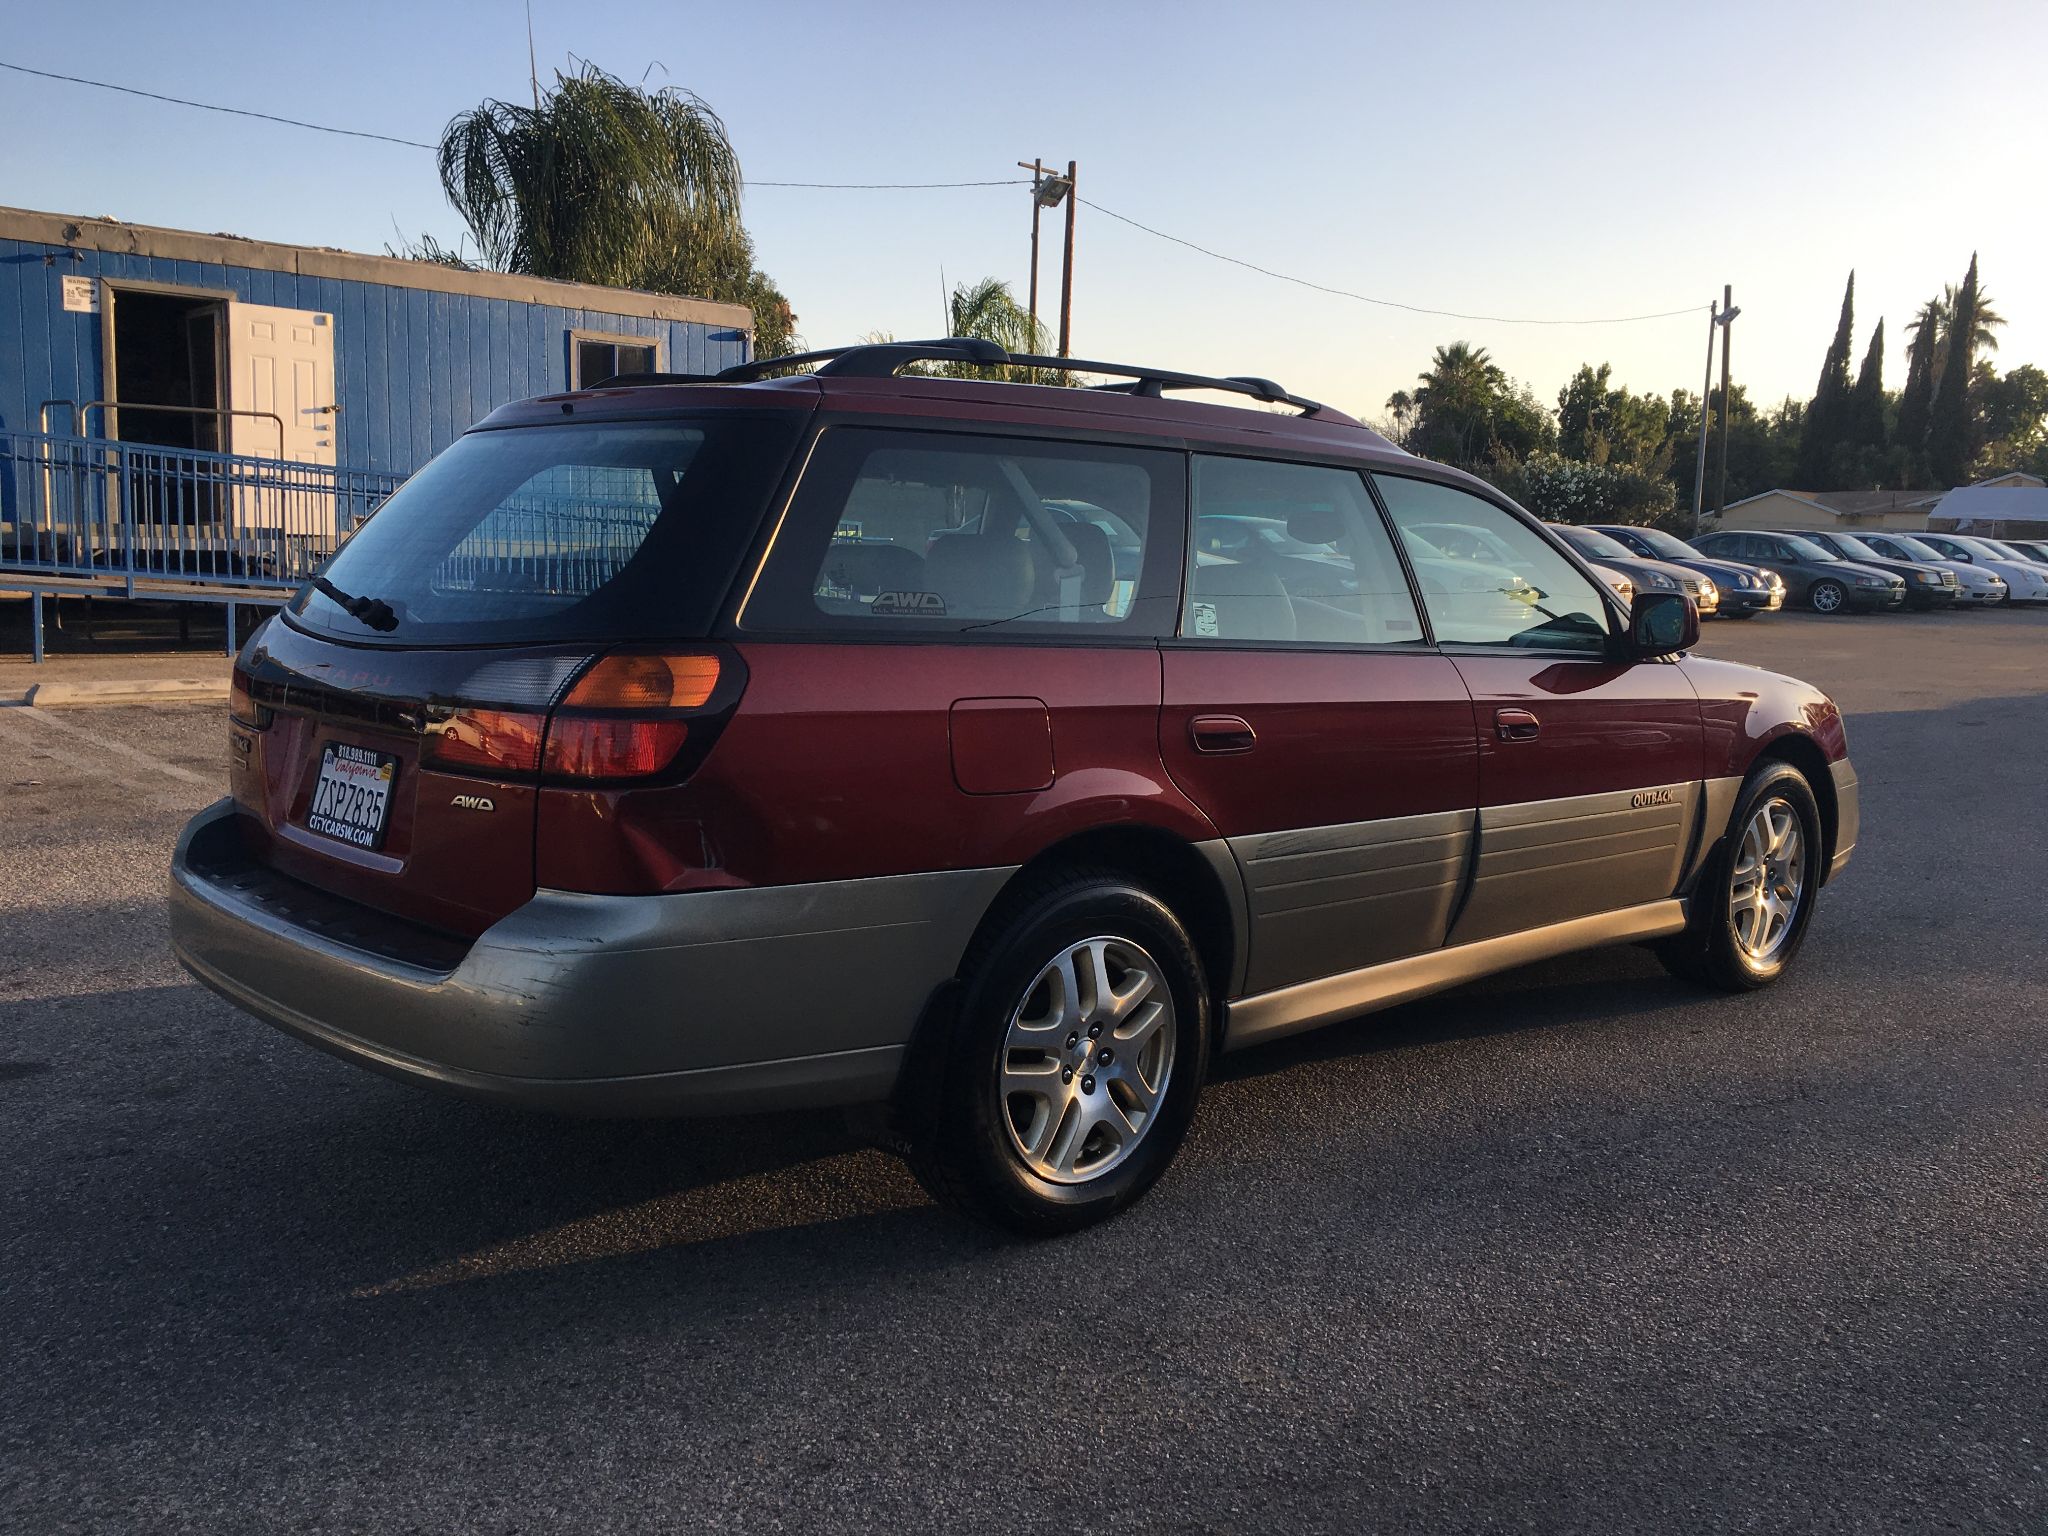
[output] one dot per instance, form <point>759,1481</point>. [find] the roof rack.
<point>880,359</point>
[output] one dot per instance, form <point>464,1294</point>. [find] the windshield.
<point>1856,549</point>
<point>1806,549</point>
<point>1915,550</point>
<point>1981,548</point>
<point>2004,550</point>
<point>586,531</point>
<point>1594,546</point>
<point>1665,546</point>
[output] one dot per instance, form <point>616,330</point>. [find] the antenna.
<point>532,65</point>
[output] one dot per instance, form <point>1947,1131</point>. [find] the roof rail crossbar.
<point>880,359</point>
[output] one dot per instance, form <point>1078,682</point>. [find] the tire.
<point>1021,1128</point>
<point>1828,597</point>
<point>1732,944</point>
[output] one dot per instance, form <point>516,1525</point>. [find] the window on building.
<point>598,358</point>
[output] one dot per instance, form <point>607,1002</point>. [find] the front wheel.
<point>1828,597</point>
<point>1755,897</point>
<point>1074,1061</point>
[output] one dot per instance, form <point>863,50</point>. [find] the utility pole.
<point>1728,314</point>
<point>1037,208</point>
<point>1049,192</point>
<point>1067,272</point>
<point>1699,467</point>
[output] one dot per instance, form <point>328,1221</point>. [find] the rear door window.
<point>1292,553</point>
<point>897,533</point>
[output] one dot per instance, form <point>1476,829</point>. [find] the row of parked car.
<point>1739,573</point>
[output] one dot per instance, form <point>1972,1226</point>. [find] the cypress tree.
<point>1948,424</point>
<point>1867,408</point>
<point>1919,392</point>
<point>1826,421</point>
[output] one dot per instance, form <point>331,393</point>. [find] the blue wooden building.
<point>186,411</point>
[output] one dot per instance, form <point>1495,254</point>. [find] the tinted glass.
<point>1855,548</point>
<point>1593,544</point>
<point>1531,597</point>
<point>1662,545</point>
<point>1292,552</point>
<point>929,532</point>
<point>1803,549</point>
<point>584,531</point>
<point>1913,549</point>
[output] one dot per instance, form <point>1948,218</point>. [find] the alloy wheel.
<point>1769,881</point>
<point>1087,1058</point>
<point>1827,597</point>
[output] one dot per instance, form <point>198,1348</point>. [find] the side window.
<point>1292,552</point>
<point>931,532</point>
<point>1519,591</point>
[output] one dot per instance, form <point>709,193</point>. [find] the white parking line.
<point>155,764</point>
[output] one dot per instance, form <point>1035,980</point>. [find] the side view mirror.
<point>1661,623</point>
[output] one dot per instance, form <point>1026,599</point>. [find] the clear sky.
<point>1549,161</point>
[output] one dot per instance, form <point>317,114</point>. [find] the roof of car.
<point>864,380</point>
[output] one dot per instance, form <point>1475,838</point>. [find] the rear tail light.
<point>631,715</point>
<point>493,740</point>
<point>242,706</point>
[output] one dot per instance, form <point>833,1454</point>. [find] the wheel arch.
<point>1199,881</point>
<point>1804,753</point>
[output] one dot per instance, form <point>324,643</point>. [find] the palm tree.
<point>602,182</point>
<point>599,183</point>
<point>1933,317</point>
<point>1454,402</point>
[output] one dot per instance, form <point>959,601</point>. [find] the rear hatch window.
<point>587,531</point>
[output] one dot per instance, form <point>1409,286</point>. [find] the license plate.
<point>352,798</point>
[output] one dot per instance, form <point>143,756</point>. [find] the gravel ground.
<point>1577,1248</point>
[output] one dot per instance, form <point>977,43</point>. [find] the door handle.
<point>1516,724</point>
<point>1221,733</point>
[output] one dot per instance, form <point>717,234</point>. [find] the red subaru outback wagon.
<point>996,753</point>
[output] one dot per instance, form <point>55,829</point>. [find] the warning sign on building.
<point>82,295</point>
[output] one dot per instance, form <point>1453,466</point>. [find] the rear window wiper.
<point>373,611</point>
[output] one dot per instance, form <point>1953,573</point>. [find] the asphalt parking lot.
<point>1575,1249</point>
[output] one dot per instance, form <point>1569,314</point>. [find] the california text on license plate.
<point>352,800</point>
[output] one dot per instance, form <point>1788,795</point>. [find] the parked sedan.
<point>2027,582</point>
<point>1927,585</point>
<point>1745,590</point>
<point>1647,575</point>
<point>1976,586</point>
<point>2035,550</point>
<point>1825,582</point>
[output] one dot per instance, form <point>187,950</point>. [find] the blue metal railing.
<point>157,519</point>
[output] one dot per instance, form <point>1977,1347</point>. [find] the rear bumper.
<point>709,1002</point>
<point>1848,815</point>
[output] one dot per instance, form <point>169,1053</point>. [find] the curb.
<point>166,690</point>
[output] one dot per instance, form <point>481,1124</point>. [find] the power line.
<point>882,186</point>
<point>1346,293</point>
<point>386,138</point>
<point>207,106</point>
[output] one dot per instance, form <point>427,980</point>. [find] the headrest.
<point>868,569</point>
<point>980,576</point>
<point>1098,563</point>
<point>1316,525</point>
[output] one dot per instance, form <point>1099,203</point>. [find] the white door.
<point>281,361</point>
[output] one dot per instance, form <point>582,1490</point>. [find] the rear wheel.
<point>1074,1061</point>
<point>1756,895</point>
<point>1828,597</point>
